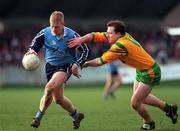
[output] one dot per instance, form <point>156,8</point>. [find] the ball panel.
<point>31,62</point>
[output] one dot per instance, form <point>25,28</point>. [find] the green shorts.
<point>151,76</point>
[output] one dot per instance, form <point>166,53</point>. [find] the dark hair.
<point>118,25</point>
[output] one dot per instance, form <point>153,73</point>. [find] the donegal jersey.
<point>56,50</point>
<point>127,49</point>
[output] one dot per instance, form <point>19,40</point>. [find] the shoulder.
<point>47,32</point>
<point>70,32</point>
<point>119,47</point>
<point>46,29</point>
<point>68,29</point>
<point>103,34</point>
<point>40,33</point>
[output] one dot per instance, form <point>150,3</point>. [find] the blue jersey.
<point>56,50</point>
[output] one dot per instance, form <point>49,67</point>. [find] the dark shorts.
<point>114,73</point>
<point>151,76</point>
<point>51,69</point>
<point>112,69</point>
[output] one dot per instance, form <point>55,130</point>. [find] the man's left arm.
<point>93,63</point>
<point>109,56</point>
<point>84,53</point>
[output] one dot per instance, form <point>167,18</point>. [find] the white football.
<point>31,62</point>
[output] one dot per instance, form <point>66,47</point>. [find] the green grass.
<point>19,105</point>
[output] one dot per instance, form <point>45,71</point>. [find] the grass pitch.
<point>19,105</point>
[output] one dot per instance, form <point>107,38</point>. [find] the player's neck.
<point>60,35</point>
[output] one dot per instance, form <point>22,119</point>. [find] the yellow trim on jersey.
<point>130,52</point>
<point>124,51</point>
<point>101,60</point>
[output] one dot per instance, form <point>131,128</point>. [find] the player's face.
<point>56,27</point>
<point>112,35</point>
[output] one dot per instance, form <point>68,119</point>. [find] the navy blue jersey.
<point>56,50</point>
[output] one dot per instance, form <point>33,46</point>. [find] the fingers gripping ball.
<point>31,62</point>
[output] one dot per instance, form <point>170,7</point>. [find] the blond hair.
<point>57,16</point>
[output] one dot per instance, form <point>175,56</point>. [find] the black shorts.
<point>51,69</point>
<point>114,73</point>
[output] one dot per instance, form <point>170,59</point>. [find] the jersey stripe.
<point>84,52</point>
<point>122,47</point>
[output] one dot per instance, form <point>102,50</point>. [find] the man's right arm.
<point>37,42</point>
<point>97,37</point>
<point>93,63</point>
<point>77,41</point>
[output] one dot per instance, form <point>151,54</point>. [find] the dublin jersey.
<point>56,49</point>
<point>127,49</point>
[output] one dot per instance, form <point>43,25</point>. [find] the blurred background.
<point>152,23</point>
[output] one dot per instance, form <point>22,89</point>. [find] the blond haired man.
<point>61,61</point>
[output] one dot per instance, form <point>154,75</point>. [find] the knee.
<point>135,103</point>
<point>108,84</point>
<point>48,90</point>
<point>118,83</point>
<point>59,100</point>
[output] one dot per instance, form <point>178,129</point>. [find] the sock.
<point>39,115</point>
<point>167,108</point>
<point>148,120</point>
<point>74,115</point>
<point>162,105</point>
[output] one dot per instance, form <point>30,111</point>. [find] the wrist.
<point>76,65</point>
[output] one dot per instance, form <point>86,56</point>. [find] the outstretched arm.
<point>77,41</point>
<point>93,63</point>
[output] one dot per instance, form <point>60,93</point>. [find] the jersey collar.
<point>65,34</point>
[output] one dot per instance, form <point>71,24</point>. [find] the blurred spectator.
<point>162,55</point>
<point>177,49</point>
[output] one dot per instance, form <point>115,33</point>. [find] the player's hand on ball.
<point>31,51</point>
<point>31,61</point>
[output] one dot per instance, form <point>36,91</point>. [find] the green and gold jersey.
<point>127,49</point>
